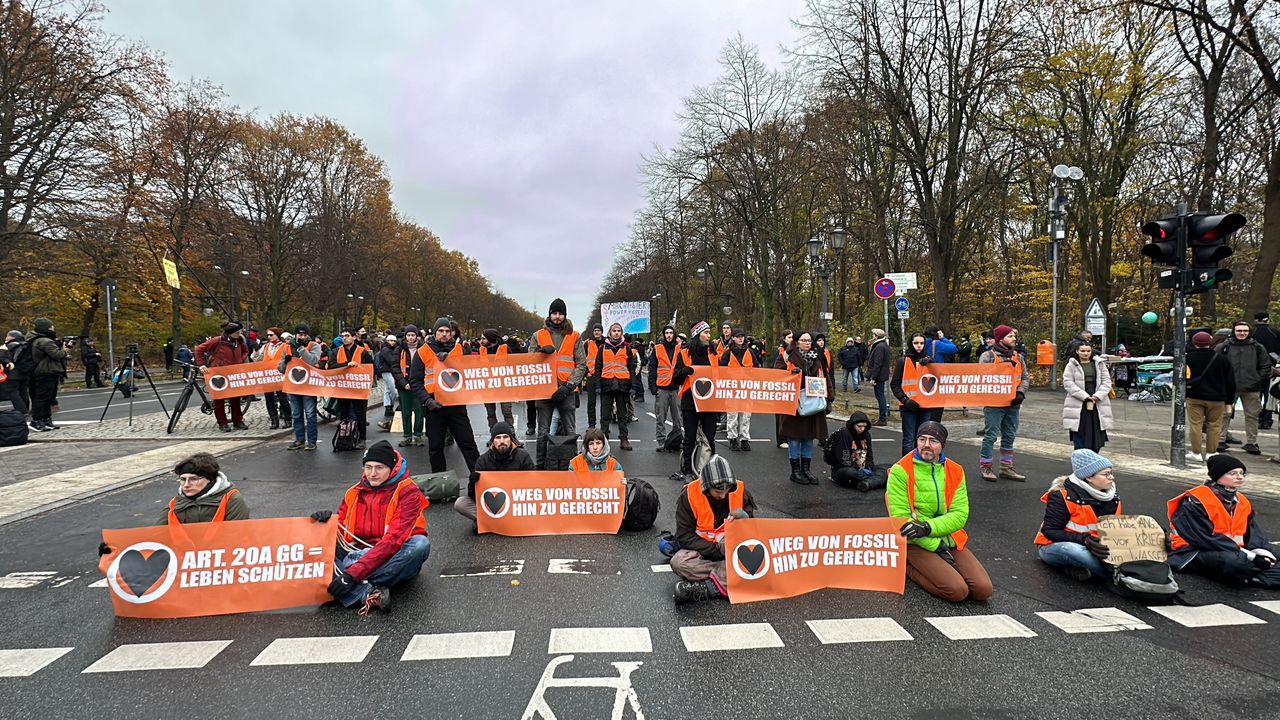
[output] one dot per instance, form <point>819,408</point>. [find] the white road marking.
<point>316,650</point>
<point>1214,615</point>
<point>23,580</point>
<point>502,567</point>
<point>158,656</point>
<point>980,627</point>
<point>454,646</point>
<point>1268,605</point>
<point>624,693</point>
<point>665,567</point>
<point>853,630</point>
<point>1092,620</point>
<point>26,662</point>
<point>737,636</point>
<point>570,566</point>
<point>99,583</point>
<point>599,640</point>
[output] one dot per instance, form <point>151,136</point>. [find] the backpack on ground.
<point>439,487</point>
<point>560,450</point>
<point>346,435</point>
<point>1145,580</point>
<point>674,442</point>
<point>13,428</point>
<point>642,506</point>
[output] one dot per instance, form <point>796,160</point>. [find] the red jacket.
<point>368,520</point>
<point>218,351</point>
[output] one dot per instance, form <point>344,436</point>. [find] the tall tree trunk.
<point>1264,270</point>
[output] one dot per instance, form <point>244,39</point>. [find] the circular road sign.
<point>902,304</point>
<point>884,288</point>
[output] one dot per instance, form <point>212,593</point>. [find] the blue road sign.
<point>901,304</point>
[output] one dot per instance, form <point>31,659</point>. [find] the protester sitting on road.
<point>595,455</point>
<point>1214,532</point>
<point>703,509</point>
<point>937,559</point>
<point>851,457</point>
<point>1068,536</point>
<point>382,534</point>
<point>503,455</point>
<point>204,494</point>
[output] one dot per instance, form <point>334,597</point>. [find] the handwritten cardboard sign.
<point>1132,537</point>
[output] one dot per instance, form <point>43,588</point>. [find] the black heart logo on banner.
<point>702,388</point>
<point>495,500</point>
<point>139,573</point>
<point>217,382</point>
<point>298,374</point>
<point>751,558</point>
<point>928,384</point>
<point>451,379</point>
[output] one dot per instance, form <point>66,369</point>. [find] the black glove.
<point>1018,397</point>
<point>796,371</point>
<point>561,394</point>
<point>911,406</point>
<point>547,349</point>
<point>1262,562</point>
<point>915,530</point>
<point>103,549</point>
<point>403,384</point>
<point>322,516</point>
<point>1096,547</point>
<point>342,582</point>
<point>947,554</point>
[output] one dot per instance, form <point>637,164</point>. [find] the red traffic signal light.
<point>1207,237</point>
<point>1163,247</point>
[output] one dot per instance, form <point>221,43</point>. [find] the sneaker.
<point>241,426</point>
<point>1222,447</point>
<point>420,442</point>
<point>407,442</point>
<point>988,474</point>
<point>744,445</point>
<point>48,425</point>
<point>880,423</point>
<point>1078,573</point>
<point>694,591</point>
<point>1008,473</point>
<point>275,424</point>
<point>37,426</point>
<point>1252,449</point>
<point>309,446</point>
<point>295,445</point>
<point>378,598</point>
<point>224,428</point>
<point>1232,441</point>
<point>384,425</point>
<point>529,432</point>
<point>1195,457</point>
<point>733,443</point>
<point>864,486</point>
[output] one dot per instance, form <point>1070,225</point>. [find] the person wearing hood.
<point>878,372</point>
<point>382,534</point>
<point>1214,532</point>
<point>738,424</point>
<point>558,342</point>
<point>1068,537</point>
<point>424,367</point>
<point>665,389</point>
<point>412,416</point>
<point>204,494</point>
<point>491,343</point>
<point>850,359</point>
<point>503,455</point>
<point>1002,422</point>
<point>186,358</point>
<point>1252,366</point>
<point>50,367</point>
<point>595,455</point>
<point>615,366</point>
<point>926,490</point>
<point>591,348</point>
<point>697,354</point>
<point>910,411</point>
<point>704,508</point>
<point>852,457</point>
<point>820,344</point>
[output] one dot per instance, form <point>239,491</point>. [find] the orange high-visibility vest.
<point>353,494</point>
<point>593,349</point>
<point>615,364</point>
<point>501,351</point>
<point>704,516</point>
<point>953,478</point>
<point>747,359</point>
<point>1083,518</point>
<point>271,351</point>
<point>357,354</point>
<point>688,362</point>
<point>1232,524</point>
<point>429,363</point>
<point>564,358</point>
<point>218,516</point>
<point>666,363</point>
<point>579,464</point>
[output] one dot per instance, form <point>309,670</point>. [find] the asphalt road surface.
<point>86,405</point>
<point>877,655</point>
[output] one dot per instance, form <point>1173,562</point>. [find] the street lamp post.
<point>706,291</point>
<point>655,312</point>
<point>825,268</point>
<point>231,275</point>
<point>1058,233</point>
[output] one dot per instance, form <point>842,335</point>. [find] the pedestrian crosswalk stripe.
<point>26,662</point>
<point>316,650</point>
<point>853,630</point>
<point>455,646</point>
<point>565,641</point>
<point>159,656</point>
<point>99,583</point>
<point>571,566</point>
<point>501,567</point>
<point>1214,615</point>
<point>1268,605</point>
<point>980,627</point>
<point>736,636</point>
<point>664,567</point>
<point>1093,620</point>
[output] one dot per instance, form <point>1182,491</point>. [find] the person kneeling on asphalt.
<point>703,510</point>
<point>503,455</point>
<point>1214,532</point>
<point>937,559</point>
<point>1068,536</point>
<point>382,535</point>
<point>849,453</point>
<point>595,455</point>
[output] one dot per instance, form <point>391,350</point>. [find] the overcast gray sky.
<point>514,130</point>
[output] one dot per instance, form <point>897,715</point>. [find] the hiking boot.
<point>733,443</point>
<point>810,478</point>
<point>1008,473</point>
<point>378,598</point>
<point>796,476</point>
<point>309,446</point>
<point>694,591</point>
<point>241,426</point>
<point>625,444</point>
<point>529,432</point>
<point>1252,449</point>
<point>988,474</point>
<point>295,445</point>
<point>744,445</point>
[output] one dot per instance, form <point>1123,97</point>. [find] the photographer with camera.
<point>92,360</point>
<point>50,368</point>
<point>229,348</point>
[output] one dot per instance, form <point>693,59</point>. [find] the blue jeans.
<point>399,568</point>
<point>1069,554</point>
<point>854,373</point>
<point>1001,421</point>
<point>797,449</point>
<point>884,403</point>
<point>303,409</point>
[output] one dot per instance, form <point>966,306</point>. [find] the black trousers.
<point>851,476</point>
<point>277,406</point>
<point>93,375</point>
<point>355,410</point>
<point>615,407</point>
<point>1230,567</point>
<point>454,419</point>
<point>44,391</point>
<point>15,391</point>
<point>593,398</point>
<point>693,422</point>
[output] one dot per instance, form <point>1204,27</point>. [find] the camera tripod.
<point>125,374</point>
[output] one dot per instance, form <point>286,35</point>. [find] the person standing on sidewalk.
<point>850,357</point>
<point>19,367</point>
<point>412,417</point>
<point>1211,388</point>
<point>49,360</point>
<point>1252,366</point>
<point>666,390</point>
<point>1003,421</point>
<point>615,366</point>
<point>277,403</point>
<point>388,357</point>
<point>229,348</point>
<point>878,372</point>
<point>1086,411</point>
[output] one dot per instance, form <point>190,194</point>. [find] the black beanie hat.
<point>302,328</point>
<point>1221,464</point>
<point>502,428</point>
<point>558,306</point>
<point>933,429</point>
<point>381,452</point>
<point>442,322</point>
<point>492,336</point>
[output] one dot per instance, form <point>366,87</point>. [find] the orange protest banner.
<point>742,389</point>
<point>473,379</point>
<point>960,384</point>
<point>218,568</point>
<point>549,502</point>
<point>350,383</point>
<point>228,381</point>
<point>768,559</point>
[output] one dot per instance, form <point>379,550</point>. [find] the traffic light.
<point>1163,247</point>
<point>1207,240</point>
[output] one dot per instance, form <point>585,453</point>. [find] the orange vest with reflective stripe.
<point>502,350</point>
<point>704,516</point>
<point>218,516</point>
<point>1232,524</point>
<point>579,464</point>
<point>615,363</point>
<point>747,359</point>
<point>270,353</point>
<point>1083,518</point>
<point>954,477</point>
<point>564,362</point>
<point>429,363</point>
<point>666,363</point>
<point>357,354</point>
<point>593,349</point>
<point>353,496</point>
